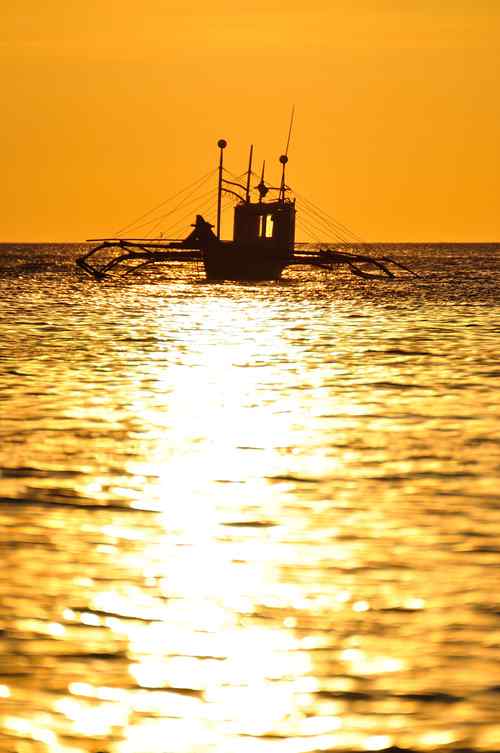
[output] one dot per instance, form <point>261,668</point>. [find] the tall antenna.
<point>290,130</point>
<point>284,158</point>
<point>249,172</point>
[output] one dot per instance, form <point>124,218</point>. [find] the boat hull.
<point>232,262</point>
<point>243,271</point>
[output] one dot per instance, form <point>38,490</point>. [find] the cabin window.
<point>266,226</point>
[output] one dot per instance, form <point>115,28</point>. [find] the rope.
<point>315,226</point>
<point>340,232</point>
<point>312,237</point>
<point>205,205</point>
<point>190,199</point>
<point>195,184</point>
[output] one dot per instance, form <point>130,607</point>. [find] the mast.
<point>284,158</point>
<point>222,143</point>
<point>247,195</point>
<point>262,188</point>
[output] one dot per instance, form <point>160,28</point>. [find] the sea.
<point>250,518</point>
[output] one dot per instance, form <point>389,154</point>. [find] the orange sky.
<point>110,106</point>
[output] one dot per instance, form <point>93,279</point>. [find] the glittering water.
<point>250,518</point>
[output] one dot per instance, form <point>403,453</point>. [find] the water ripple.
<point>249,517</point>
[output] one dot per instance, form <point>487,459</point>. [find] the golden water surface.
<point>249,518</point>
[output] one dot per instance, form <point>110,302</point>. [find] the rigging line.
<point>151,234</point>
<point>179,222</point>
<point>186,202</point>
<point>192,188</point>
<point>226,169</point>
<point>320,216</point>
<point>226,206</point>
<point>332,219</point>
<point>334,228</point>
<point>319,228</point>
<point>190,199</point>
<point>290,130</point>
<point>324,214</point>
<point>318,219</point>
<point>158,219</point>
<point>308,232</point>
<point>310,222</point>
<point>169,232</point>
<point>236,176</point>
<point>335,237</point>
<point>198,182</point>
<point>328,222</point>
<point>319,233</point>
<point>316,234</point>
<point>206,207</point>
<point>236,179</point>
<point>209,201</point>
<point>322,226</point>
<point>352,238</point>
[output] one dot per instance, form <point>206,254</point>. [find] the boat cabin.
<point>266,225</point>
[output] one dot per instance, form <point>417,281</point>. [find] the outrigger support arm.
<point>149,254</point>
<point>93,271</point>
<point>188,250</point>
<point>326,258</point>
<point>351,258</point>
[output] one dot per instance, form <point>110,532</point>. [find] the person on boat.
<point>201,233</point>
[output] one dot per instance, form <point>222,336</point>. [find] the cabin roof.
<point>265,207</point>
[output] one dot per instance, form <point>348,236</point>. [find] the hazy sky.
<point>111,106</point>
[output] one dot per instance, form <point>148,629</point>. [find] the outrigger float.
<point>263,243</point>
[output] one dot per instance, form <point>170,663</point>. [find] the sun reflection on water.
<point>233,545</point>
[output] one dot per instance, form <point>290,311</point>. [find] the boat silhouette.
<point>262,246</point>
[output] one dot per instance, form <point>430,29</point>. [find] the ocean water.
<point>241,518</point>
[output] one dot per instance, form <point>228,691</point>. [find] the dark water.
<point>242,518</point>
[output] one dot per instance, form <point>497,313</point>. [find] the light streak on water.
<point>255,519</point>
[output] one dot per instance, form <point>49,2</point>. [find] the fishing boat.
<point>262,246</point>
